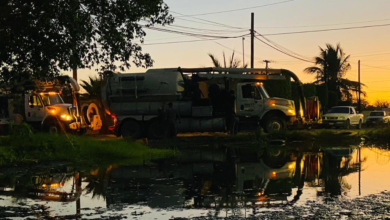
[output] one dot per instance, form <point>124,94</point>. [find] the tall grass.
<point>22,145</point>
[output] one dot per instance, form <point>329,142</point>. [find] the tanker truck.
<point>207,100</point>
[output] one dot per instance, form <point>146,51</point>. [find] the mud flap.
<point>96,123</point>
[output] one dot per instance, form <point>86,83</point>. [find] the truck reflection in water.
<point>214,178</point>
<point>53,187</point>
<point>226,178</point>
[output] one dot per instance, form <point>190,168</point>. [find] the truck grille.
<point>332,118</point>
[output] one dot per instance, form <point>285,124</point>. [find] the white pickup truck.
<point>342,116</point>
<point>378,118</point>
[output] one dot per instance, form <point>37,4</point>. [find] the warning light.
<point>44,185</point>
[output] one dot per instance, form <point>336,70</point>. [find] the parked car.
<point>342,116</point>
<point>378,118</point>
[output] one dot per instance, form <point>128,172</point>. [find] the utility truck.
<point>45,110</point>
<point>207,99</point>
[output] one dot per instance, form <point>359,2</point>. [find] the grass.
<point>23,146</point>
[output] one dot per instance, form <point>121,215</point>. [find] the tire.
<point>359,126</point>
<point>347,124</point>
<point>157,130</point>
<point>131,129</point>
<point>274,123</point>
<point>53,127</point>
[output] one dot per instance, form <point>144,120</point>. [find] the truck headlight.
<point>66,117</point>
<point>342,118</point>
<point>291,111</point>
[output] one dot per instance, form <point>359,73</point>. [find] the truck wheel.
<point>359,125</point>
<point>157,130</point>
<point>131,129</point>
<point>52,127</point>
<point>347,124</point>
<point>274,123</point>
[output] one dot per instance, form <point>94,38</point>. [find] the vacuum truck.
<point>207,100</point>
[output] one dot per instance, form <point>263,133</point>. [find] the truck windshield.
<point>339,110</point>
<point>377,114</point>
<point>51,99</point>
<point>263,92</point>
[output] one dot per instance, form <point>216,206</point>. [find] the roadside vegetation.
<point>23,146</point>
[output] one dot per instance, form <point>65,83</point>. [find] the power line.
<point>191,41</point>
<point>324,30</point>
<point>208,30</point>
<point>324,25</point>
<point>188,33</point>
<point>212,22</point>
<point>281,47</point>
<point>234,10</point>
<point>283,51</point>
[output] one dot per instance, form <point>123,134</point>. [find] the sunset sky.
<point>370,45</point>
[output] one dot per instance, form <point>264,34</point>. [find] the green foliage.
<point>279,88</point>
<point>322,93</point>
<point>333,99</point>
<point>309,90</point>
<point>332,65</point>
<point>44,37</point>
<point>233,62</point>
<point>93,87</point>
<point>24,146</point>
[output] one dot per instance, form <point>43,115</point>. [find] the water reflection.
<point>227,178</point>
<point>216,179</point>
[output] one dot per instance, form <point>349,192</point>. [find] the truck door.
<point>34,108</point>
<point>354,116</point>
<point>249,100</point>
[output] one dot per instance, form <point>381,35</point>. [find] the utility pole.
<point>252,39</point>
<point>266,65</point>
<point>243,53</point>
<point>75,74</point>
<point>359,102</point>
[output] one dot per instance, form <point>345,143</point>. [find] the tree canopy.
<point>40,37</point>
<point>332,65</point>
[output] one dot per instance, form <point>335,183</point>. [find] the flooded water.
<point>209,182</point>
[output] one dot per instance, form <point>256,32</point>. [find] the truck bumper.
<point>374,123</point>
<point>333,123</point>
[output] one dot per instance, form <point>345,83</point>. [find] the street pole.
<point>252,39</point>
<point>359,102</point>
<point>266,65</point>
<point>75,74</point>
<point>243,53</point>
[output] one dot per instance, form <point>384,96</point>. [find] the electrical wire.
<point>325,30</point>
<point>324,25</point>
<point>212,22</point>
<point>234,10</point>
<point>191,41</point>
<point>282,48</point>
<point>290,55</point>
<point>190,34</point>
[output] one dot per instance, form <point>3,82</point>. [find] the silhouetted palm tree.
<point>331,66</point>
<point>233,62</point>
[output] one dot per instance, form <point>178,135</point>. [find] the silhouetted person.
<point>172,117</point>
<point>231,115</point>
<point>196,92</point>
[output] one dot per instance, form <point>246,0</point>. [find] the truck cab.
<point>254,101</point>
<point>47,111</point>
